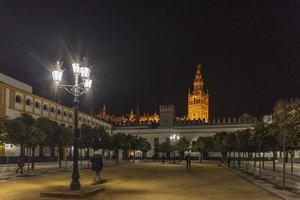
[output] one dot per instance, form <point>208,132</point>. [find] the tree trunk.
<point>263,160</point>
<point>59,156</point>
<point>88,156</point>
<point>32,158</point>
<point>239,159</point>
<point>117,156</point>
<point>234,159</point>
<point>292,164</point>
<point>247,161</point>
<point>80,157</point>
<point>229,159</point>
<point>254,164</point>
<point>273,160</point>
<point>200,156</point>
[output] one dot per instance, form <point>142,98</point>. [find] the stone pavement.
<point>271,181</point>
<point>146,181</point>
<point>7,171</point>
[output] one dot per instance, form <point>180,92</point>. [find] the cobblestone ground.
<point>146,181</point>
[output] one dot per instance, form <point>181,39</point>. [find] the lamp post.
<point>173,139</point>
<point>82,84</point>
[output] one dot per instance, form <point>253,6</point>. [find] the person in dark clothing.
<point>163,159</point>
<point>97,165</point>
<point>188,160</point>
<point>20,166</point>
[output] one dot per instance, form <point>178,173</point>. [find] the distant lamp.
<point>57,73</point>
<point>88,84</point>
<point>76,68</point>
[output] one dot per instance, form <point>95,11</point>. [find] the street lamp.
<point>173,139</point>
<point>82,84</point>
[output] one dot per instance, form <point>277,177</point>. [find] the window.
<point>52,109</point>
<point>18,99</point>
<point>58,111</point>
<point>28,102</point>
<point>65,113</point>
<point>37,105</point>
<point>70,115</point>
<point>45,107</point>
<point>79,118</point>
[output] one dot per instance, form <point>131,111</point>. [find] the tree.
<point>15,133</point>
<point>88,138</point>
<point>35,137</point>
<point>219,144</point>
<point>198,146</point>
<point>145,146</point>
<point>64,140</point>
<point>166,148</point>
<point>286,118</point>
<point>135,144</point>
<point>272,141</point>
<point>118,141</point>
<point>182,146</point>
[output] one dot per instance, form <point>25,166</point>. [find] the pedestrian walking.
<point>97,165</point>
<point>188,159</point>
<point>20,166</point>
<point>163,159</point>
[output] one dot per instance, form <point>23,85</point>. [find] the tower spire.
<point>198,81</point>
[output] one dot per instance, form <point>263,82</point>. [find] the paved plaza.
<point>145,181</point>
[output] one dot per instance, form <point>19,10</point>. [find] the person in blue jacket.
<point>97,165</point>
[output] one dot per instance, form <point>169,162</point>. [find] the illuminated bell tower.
<point>198,99</point>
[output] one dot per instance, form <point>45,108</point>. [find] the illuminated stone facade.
<point>130,118</point>
<point>198,99</point>
<point>17,98</point>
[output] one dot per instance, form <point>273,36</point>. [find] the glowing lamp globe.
<point>57,75</point>
<point>76,68</point>
<point>85,72</point>
<point>88,84</point>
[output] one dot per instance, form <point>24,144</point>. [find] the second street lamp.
<point>82,84</point>
<point>173,139</point>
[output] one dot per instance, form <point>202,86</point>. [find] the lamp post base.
<point>75,185</point>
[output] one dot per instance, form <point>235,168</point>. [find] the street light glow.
<point>57,75</point>
<point>84,72</point>
<point>76,68</point>
<point>80,87</point>
<point>88,84</point>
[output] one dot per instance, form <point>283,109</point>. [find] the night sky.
<point>145,52</point>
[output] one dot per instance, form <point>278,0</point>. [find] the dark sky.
<point>145,52</point>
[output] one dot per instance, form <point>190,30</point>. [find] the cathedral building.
<point>198,99</point>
